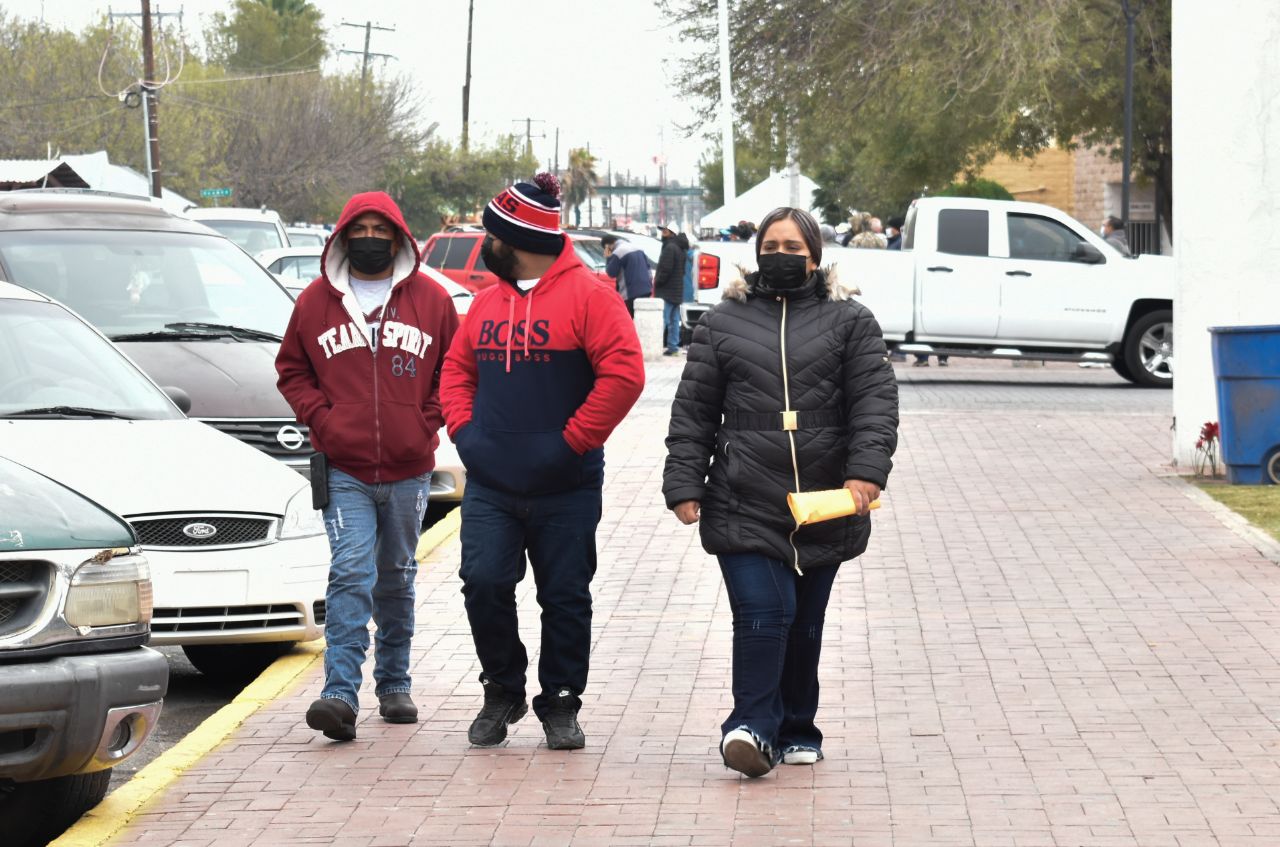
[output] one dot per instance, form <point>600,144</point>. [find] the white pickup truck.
<point>997,279</point>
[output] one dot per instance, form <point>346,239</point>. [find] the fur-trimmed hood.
<point>738,287</point>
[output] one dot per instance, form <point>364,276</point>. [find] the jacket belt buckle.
<point>790,421</point>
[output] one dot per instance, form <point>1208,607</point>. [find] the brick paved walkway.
<point>1048,643</point>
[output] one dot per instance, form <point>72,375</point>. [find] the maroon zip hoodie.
<point>372,409</point>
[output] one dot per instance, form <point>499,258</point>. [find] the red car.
<point>456,254</point>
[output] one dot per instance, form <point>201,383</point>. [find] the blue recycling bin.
<point>1246,366</point>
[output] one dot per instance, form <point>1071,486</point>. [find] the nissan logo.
<point>200,530</point>
<point>290,437</point>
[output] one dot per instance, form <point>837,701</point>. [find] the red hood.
<point>334,259</point>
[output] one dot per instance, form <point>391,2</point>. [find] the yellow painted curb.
<point>102,823</point>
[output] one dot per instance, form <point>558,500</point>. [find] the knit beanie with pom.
<point>527,216</point>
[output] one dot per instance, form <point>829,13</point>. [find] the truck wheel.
<point>1148,349</point>
<point>1121,369</point>
<point>34,813</point>
<point>1272,469</point>
<point>239,663</point>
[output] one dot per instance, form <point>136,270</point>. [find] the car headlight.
<point>115,592</point>
<point>300,520</point>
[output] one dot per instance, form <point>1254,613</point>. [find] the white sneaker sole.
<point>742,755</point>
<point>801,757</point>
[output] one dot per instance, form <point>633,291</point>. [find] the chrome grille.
<point>23,586</point>
<point>229,530</point>
<point>264,435</point>
<point>225,618</point>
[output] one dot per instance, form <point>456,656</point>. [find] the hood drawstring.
<point>528,322</point>
<point>511,327</point>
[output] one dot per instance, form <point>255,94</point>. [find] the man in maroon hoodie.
<point>360,365</point>
<point>546,366</point>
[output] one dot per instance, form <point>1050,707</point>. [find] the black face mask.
<point>369,255</point>
<point>783,271</point>
<point>502,265</point>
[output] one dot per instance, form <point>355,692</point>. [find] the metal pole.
<point>726,108</point>
<point>364,67</point>
<point>149,101</point>
<point>466,86</point>
<point>1129,15</point>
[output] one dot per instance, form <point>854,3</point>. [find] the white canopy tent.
<point>758,201</point>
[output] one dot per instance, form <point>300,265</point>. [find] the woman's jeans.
<point>373,532</point>
<point>777,640</point>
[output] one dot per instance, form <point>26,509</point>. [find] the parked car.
<point>294,267</point>
<point>253,230</point>
<point>239,558</point>
<point>307,236</point>
<point>79,693</point>
<point>456,254</point>
<point>997,279</point>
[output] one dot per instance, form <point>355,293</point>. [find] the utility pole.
<point>557,170</point>
<point>466,85</point>
<point>726,109</point>
<point>368,27</point>
<point>149,101</point>
<point>528,134</point>
<point>1130,14</point>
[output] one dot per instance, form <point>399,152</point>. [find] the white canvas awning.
<point>753,204</point>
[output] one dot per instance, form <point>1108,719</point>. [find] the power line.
<point>368,28</point>
<point>218,80</point>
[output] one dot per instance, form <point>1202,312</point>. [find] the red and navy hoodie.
<point>372,403</point>
<point>536,381</point>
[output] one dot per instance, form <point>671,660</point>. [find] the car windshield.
<point>132,282</point>
<point>591,252</point>
<point>252,236</point>
<point>50,359</point>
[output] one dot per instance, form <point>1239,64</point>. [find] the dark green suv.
<point>79,693</point>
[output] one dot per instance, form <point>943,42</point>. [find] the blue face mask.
<point>783,271</point>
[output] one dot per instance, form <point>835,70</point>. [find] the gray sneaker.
<point>500,710</point>
<point>561,724</point>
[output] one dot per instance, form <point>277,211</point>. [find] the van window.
<point>459,253</point>
<point>963,232</point>
<point>1036,237</point>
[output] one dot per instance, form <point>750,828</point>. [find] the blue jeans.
<point>373,532</point>
<point>558,532</point>
<point>671,325</point>
<point>777,641</point>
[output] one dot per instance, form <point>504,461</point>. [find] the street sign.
<point>215,192</point>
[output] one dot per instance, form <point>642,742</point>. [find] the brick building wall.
<point>1049,178</point>
<point>1094,171</point>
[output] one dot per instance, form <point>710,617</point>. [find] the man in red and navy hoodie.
<point>547,364</point>
<point>360,365</point>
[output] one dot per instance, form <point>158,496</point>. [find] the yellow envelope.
<point>816,506</point>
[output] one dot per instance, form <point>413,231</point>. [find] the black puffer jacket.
<point>839,378</point>
<point>668,277</point>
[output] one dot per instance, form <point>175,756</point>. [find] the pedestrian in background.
<point>668,283</point>
<point>1113,232</point>
<point>787,388</point>
<point>626,263</point>
<point>893,230</point>
<point>359,365</point>
<point>690,269</point>
<point>866,236</point>
<point>546,365</point>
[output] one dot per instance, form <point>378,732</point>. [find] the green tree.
<point>268,35</point>
<point>986,189</point>
<point>579,182</point>
<point>441,184</point>
<point>885,97</point>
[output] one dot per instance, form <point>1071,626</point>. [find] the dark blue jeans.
<point>558,532</point>
<point>777,641</point>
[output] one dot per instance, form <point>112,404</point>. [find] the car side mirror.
<point>1090,255</point>
<point>180,398</point>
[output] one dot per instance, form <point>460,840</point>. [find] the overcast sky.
<point>601,71</point>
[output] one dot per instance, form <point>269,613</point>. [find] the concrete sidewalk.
<point>1049,642</point>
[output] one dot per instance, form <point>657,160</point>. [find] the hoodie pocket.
<point>519,462</point>
<point>404,433</point>
<point>347,432</point>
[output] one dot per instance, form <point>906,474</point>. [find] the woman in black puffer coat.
<point>787,388</point>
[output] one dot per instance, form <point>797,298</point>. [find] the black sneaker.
<point>561,723</point>
<point>397,708</point>
<point>333,717</point>
<point>500,709</point>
